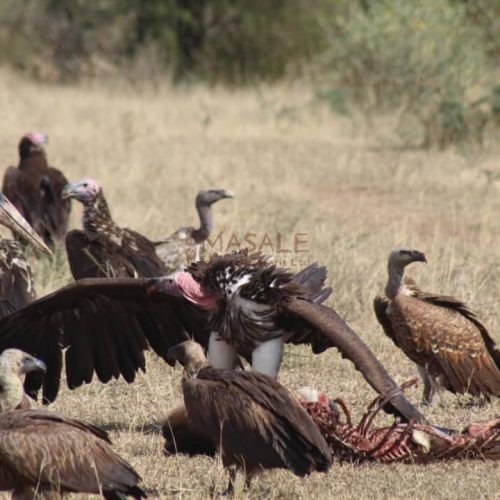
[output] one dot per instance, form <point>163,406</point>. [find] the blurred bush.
<point>426,59</point>
<point>432,60</point>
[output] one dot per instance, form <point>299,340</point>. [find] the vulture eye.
<point>85,185</point>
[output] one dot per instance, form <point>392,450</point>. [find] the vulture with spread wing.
<point>16,278</point>
<point>252,420</point>
<point>186,244</point>
<point>235,305</point>
<point>35,189</point>
<point>451,347</point>
<point>104,249</point>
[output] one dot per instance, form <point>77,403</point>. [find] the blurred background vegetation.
<point>433,62</point>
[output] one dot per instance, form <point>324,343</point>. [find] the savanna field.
<point>349,190</point>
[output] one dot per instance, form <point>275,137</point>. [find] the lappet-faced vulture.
<point>446,340</point>
<point>46,455</point>
<point>16,279</point>
<point>238,304</point>
<point>35,189</point>
<point>186,244</point>
<point>253,421</point>
<point>104,249</point>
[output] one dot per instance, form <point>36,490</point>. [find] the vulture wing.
<point>104,326</point>
<point>55,210</point>
<point>142,255</point>
<point>91,255</point>
<point>18,188</point>
<point>322,327</point>
<point>454,342</point>
<point>47,451</point>
<point>278,431</point>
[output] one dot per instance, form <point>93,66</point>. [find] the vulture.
<point>104,249</point>
<point>253,421</point>
<point>44,455</point>
<point>450,346</point>
<point>14,366</point>
<point>186,244</point>
<point>35,189</point>
<point>234,305</point>
<point>16,278</point>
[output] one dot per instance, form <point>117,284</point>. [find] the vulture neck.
<point>11,391</point>
<point>97,218</point>
<point>36,160</point>
<point>191,370</point>
<point>395,283</point>
<point>206,223</point>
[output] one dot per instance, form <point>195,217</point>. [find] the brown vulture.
<point>46,455</point>
<point>235,305</point>
<point>16,279</point>
<point>104,249</point>
<point>252,420</point>
<point>35,189</point>
<point>186,244</point>
<point>14,366</point>
<point>451,347</point>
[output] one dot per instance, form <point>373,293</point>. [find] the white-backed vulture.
<point>186,244</point>
<point>16,278</point>
<point>35,189</point>
<point>253,306</point>
<point>102,248</point>
<point>253,421</point>
<point>45,455</point>
<point>451,347</point>
<point>14,366</point>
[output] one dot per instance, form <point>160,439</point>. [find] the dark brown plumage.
<point>186,244</point>
<point>446,340</point>
<point>35,189</point>
<point>50,455</point>
<point>103,249</point>
<point>253,421</point>
<point>106,324</point>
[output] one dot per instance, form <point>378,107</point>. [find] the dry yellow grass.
<point>295,169</point>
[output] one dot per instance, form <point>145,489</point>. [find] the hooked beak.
<point>11,218</point>
<point>227,194</point>
<point>419,257</point>
<point>33,365</point>
<point>68,191</point>
<point>164,284</point>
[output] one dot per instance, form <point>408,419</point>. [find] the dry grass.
<point>294,168</point>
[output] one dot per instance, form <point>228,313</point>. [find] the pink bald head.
<point>192,291</point>
<point>84,190</point>
<point>36,138</point>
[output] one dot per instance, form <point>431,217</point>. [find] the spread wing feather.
<point>104,325</point>
<point>330,330</point>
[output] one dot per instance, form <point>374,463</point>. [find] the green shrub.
<point>423,58</point>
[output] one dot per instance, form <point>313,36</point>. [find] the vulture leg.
<point>221,355</point>
<point>429,385</point>
<point>266,357</point>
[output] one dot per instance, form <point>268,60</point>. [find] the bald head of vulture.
<point>12,219</point>
<point>96,212</point>
<point>442,335</point>
<point>32,144</point>
<point>14,366</point>
<point>252,420</point>
<point>398,260</point>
